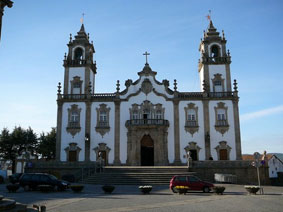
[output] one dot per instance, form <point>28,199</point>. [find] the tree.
<point>47,145</point>
<point>14,144</point>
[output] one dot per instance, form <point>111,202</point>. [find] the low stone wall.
<point>243,170</point>
<point>80,170</point>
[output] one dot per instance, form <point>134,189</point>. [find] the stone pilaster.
<point>87,130</point>
<point>177,160</point>
<point>59,129</point>
<point>228,77</point>
<point>206,129</point>
<point>66,81</point>
<point>117,134</point>
<point>87,80</point>
<point>237,129</point>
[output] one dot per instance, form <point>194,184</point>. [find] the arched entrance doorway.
<point>147,151</point>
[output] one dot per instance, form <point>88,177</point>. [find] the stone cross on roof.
<point>146,54</point>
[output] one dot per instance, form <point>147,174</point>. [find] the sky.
<point>35,34</point>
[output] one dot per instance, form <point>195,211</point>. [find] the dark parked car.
<point>32,180</point>
<point>14,178</point>
<point>193,182</point>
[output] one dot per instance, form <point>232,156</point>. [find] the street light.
<point>3,4</point>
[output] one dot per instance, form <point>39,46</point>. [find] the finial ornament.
<point>235,85</point>
<point>59,88</point>
<point>82,18</point>
<point>228,52</point>
<point>65,56</point>
<point>88,36</point>
<point>89,87</point>
<point>175,85</point>
<point>223,35</point>
<point>118,86</point>
<point>71,37</point>
<point>204,86</point>
<point>146,54</point>
<point>209,15</point>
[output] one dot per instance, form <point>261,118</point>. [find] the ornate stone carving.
<point>146,86</point>
<point>191,122</point>
<point>74,120</point>
<point>102,123</point>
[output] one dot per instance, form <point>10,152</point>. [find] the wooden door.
<point>223,155</point>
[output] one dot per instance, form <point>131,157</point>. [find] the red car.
<point>193,182</point>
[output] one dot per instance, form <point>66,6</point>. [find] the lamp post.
<point>3,4</point>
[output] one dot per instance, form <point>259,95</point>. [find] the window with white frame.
<point>76,85</point>
<point>74,117</point>
<point>103,116</point>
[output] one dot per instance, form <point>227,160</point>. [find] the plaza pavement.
<point>129,198</point>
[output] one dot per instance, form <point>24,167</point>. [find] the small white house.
<point>275,164</point>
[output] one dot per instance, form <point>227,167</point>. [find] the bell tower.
<point>80,69</point>
<point>214,63</point>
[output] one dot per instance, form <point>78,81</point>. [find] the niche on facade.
<point>102,152</point>
<point>72,152</point>
<point>102,122</point>
<point>74,114</point>
<point>193,149</point>
<point>221,118</point>
<point>191,122</point>
<point>223,151</point>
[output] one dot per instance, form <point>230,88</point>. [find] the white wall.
<point>275,166</point>
<point>66,137</point>
<point>125,115</point>
<point>76,71</point>
<point>228,136</point>
<point>186,137</point>
<point>95,137</point>
<point>201,77</point>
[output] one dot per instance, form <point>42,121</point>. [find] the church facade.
<point>148,123</point>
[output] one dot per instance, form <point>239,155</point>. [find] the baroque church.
<point>148,123</point>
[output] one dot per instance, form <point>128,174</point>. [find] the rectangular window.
<point>103,122</point>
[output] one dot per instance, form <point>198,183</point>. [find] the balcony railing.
<point>221,123</point>
<point>147,122</point>
<point>73,124</point>
<point>220,94</point>
<point>191,123</point>
<point>216,60</point>
<point>102,124</point>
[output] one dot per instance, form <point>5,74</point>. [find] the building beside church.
<point>148,123</point>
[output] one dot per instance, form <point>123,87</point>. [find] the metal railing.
<point>191,123</point>
<point>143,122</point>
<point>221,123</point>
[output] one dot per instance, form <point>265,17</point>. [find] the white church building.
<point>148,123</point>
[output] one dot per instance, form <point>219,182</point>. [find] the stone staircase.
<point>136,175</point>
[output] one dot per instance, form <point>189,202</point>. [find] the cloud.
<point>261,113</point>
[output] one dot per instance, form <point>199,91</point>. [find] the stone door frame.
<point>159,135</point>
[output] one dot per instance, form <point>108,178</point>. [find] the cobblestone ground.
<point>129,198</point>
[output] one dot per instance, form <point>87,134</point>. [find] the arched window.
<point>214,51</point>
<point>78,54</point>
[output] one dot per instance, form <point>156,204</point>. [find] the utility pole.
<point>3,4</point>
